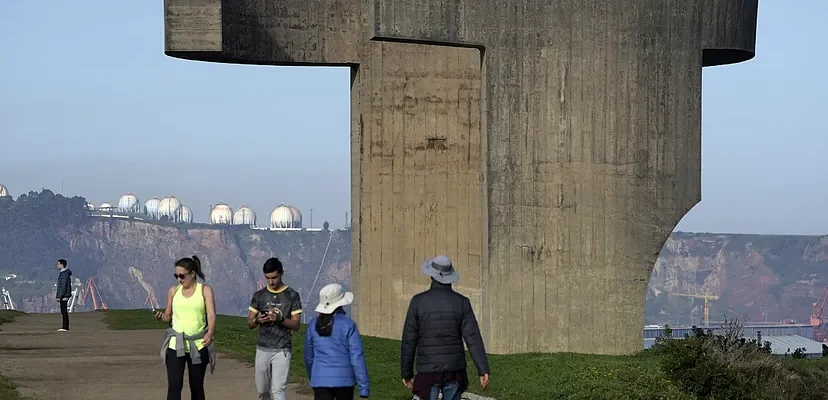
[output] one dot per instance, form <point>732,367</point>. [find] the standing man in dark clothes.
<point>437,323</point>
<point>64,292</point>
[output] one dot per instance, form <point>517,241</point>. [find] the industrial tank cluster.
<point>170,208</point>
<point>282,217</point>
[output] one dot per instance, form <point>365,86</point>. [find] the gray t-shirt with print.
<point>275,335</point>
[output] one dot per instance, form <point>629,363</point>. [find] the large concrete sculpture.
<point>549,147</point>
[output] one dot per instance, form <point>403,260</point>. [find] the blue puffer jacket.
<point>337,360</point>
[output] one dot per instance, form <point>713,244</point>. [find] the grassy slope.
<point>8,391</point>
<point>525,376</point>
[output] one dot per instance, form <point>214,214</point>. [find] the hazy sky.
<point>88,98</point>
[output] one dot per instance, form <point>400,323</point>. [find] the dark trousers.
<point>175,374</point>
<point>336,393</point>
<point>64,312</point>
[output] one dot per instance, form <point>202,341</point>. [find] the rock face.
<point>756,277</point>
<point>117,252</point>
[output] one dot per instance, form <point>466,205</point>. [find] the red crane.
<point>818,319</point>
<point>92,289</point>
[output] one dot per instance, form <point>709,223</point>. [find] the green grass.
<point>514,377</point>
<point>8,390</point>
<point>8,316</point>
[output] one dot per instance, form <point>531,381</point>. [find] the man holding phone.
<point>276,310</point>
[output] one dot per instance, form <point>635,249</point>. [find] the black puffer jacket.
<point>64,285</point>
<point>437,323</point>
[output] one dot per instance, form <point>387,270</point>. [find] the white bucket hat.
<point>332,297</point>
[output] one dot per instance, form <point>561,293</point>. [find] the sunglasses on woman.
<point>180,276</point>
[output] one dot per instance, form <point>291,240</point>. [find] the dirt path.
<point>93,363</point>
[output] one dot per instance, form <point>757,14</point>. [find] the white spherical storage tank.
<point>90,206</point>
<point>106,207</point>
<point>281,217</point>
<point>186,215</point>
<point>151,207</point>
<point>170,207</point>
<point>129,203</point>
<point>297,216</point>
<point>244,216</point>
<point>221,214</point>
<point>3,191</point>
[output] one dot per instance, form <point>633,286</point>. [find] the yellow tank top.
<point>189,315</point>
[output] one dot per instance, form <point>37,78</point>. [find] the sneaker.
<point>63,330</point>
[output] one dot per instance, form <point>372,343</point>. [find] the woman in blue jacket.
<point>333,349</point>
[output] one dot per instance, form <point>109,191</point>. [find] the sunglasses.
<point>180,276</point>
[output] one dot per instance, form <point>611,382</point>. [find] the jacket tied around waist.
<point>180,339</point>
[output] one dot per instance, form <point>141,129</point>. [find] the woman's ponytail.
<point>197,269</point>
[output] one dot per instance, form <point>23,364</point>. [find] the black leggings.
<point>335,393</point>
<point>175,374</point>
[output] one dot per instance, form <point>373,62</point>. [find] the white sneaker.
<point>63,330</point>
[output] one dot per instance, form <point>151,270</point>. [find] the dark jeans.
<point>175,374</point>
<point>64,312</point>
<point>450,391</point>
<point>336,393</point>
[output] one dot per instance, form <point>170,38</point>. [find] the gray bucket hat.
<point>440,269</point>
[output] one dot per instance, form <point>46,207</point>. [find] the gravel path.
<point>93,363</point>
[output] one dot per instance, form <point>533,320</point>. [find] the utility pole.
<point>311,221</point>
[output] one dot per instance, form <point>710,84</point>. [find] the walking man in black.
<point>64,292</point>
<point>437,323</point>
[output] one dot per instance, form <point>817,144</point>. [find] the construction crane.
<point>707,299</point>
<point>818,319</point>
<point>97,300</point>
<point>8,303</point>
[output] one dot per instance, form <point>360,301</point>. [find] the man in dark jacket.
<point>64,292</point>
<point>437,323</point>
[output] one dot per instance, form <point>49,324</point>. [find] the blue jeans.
<point>451,391</point>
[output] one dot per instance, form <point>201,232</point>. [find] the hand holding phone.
<point>265,317</point>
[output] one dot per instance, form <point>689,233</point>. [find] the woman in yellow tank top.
<point>192,311</point>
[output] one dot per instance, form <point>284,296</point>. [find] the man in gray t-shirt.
<point>275,310</point>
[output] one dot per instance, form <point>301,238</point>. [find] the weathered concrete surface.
<point>91,363</point>
<point>550,154</point>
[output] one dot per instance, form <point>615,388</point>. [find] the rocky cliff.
<point>756,277</point>
<point>128,259</point>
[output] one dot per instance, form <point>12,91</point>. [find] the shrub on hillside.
<point>725,365</point>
